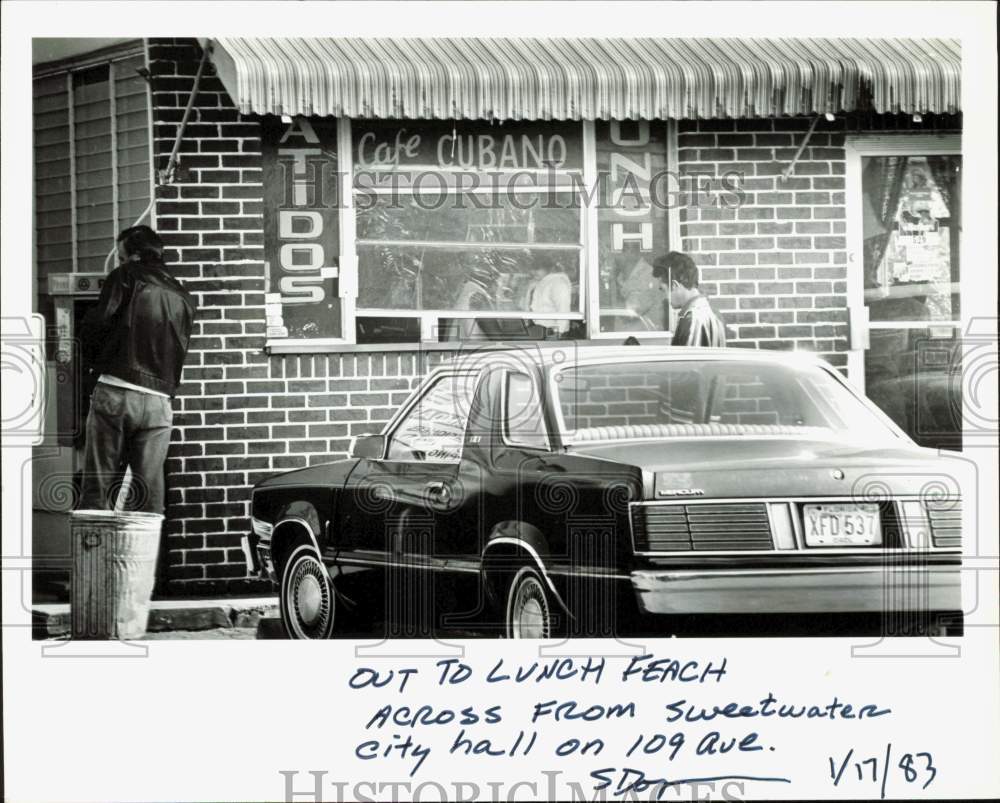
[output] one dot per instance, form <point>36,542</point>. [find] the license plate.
<point>842,525</point>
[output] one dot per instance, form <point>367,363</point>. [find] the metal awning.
<point>574,79</point>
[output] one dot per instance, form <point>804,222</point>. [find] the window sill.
<point>320,346</point>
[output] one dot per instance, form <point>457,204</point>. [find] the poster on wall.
<point>301,227</point>
<point>923,254</point>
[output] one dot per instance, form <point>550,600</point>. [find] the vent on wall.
<point>92,161</point>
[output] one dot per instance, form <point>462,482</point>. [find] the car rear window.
<point>683,396</point>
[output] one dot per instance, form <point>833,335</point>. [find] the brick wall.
<point>775,264</point>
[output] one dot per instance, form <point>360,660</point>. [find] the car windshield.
<point>684,398</point>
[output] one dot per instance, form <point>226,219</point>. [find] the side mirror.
<point>370,446</point>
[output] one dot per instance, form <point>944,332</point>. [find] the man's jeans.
<point>125,428</point>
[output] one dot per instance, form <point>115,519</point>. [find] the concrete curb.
<point>50,620</point>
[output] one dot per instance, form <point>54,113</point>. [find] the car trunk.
<point>775,467</point>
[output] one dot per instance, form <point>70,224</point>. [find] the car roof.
<point>562,352</point>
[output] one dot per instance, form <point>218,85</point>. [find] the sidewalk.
<point>169,618</point>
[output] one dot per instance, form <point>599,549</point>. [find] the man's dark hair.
<point>544,262</point>
<point>143,242</point>
<point>678,267</point>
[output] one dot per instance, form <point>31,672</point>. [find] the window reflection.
<point>526,218</point>
<point>911,236</point>
<point>912,228</point>
<point>461,254</point>
<point>915,376</point>
<point>460,278</point>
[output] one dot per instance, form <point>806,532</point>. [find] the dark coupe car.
<point>598,490</point>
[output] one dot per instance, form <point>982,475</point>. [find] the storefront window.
<point>469,218</point>
<point>462,230</point>
<point>912,227</point>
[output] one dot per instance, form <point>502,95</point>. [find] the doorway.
<point>904,196</point>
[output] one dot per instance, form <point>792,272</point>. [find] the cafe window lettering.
<point>632,225</point>
<point>462,230</point>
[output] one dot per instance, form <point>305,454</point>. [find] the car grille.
<point>703,527</point>
<point>946,522</point>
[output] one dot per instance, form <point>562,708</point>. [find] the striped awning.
<point>574,79</point>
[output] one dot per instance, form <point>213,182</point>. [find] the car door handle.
<point>438,492</point>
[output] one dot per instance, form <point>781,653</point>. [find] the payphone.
<point>58,460</point>
<point>73,294</point>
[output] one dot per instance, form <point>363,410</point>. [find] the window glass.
<point>524,424</point>
<point>912,223</point>
<point>528,218</point>
<point>380,329</point>
<point>632,224</point>
<point>464,279</point>
<point>434,428</point>
<point>915,376</point>
<point>601,401</point>
<point>467,217</point>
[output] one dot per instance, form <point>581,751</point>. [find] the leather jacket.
<point>140,328</point>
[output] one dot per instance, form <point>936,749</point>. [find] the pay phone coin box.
<point>71,294</point>
<point>76,284</point>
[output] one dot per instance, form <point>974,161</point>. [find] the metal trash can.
<point>114,566</point>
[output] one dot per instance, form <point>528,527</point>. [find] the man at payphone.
<point>135,340</point>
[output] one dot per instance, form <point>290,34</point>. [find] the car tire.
<point>529,607</point>
<point>307,599</point>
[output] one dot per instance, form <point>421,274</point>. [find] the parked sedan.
<point>564,489</point>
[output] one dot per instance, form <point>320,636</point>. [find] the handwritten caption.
<point>668,727</point>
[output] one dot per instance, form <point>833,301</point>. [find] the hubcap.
<point>531,623</point>
<point>309,599</point>
<point>530,612</point>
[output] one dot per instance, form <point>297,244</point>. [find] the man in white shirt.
<point>551,291</point>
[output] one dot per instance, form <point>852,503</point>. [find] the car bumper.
<point>263,565</point>
<point>856,589</point>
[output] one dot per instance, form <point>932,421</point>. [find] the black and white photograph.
<point>608,396</point>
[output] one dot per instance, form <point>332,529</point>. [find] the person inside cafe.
<point>549,291</point>
<point>638,288</point>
